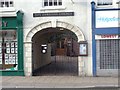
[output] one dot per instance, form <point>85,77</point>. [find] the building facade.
<point>49,29</point>
<point>106,39</point>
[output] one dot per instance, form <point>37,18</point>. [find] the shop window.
<point>8,50</point>
<point>108,54</point>
<point>104,2</point>
<point>52,2</point>
<point>6,3</point>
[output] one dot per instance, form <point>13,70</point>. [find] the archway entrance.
<point>55,52</point>
<point>29,65</point>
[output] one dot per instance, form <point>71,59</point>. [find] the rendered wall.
<point>81,19</point>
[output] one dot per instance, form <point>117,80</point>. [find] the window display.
<point>8,50</point>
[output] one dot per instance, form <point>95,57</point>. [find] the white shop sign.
<point>107,19</point>
<point>107,36</point>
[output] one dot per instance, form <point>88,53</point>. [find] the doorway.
<point>55,52</point>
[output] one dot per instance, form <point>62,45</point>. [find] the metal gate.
<point>108,55</point>
<point>64,60</point>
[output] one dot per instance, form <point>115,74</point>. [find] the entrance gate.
<point>58,52</point>
<point>30,63</point>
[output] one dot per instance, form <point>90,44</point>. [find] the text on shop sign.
<point>108,36</point>
<point>3,23</point>
<point>53,14</point>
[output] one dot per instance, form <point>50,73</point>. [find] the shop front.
<point>11,45</point>
<point>106,41</point>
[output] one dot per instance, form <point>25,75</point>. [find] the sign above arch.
<point>61,24</point>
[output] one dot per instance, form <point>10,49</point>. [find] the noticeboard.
<point>83,48</point>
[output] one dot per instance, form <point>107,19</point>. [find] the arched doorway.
<point>39,32</point>
<point>55,52</point>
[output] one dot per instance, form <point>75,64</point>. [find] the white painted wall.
<point>82,20</point>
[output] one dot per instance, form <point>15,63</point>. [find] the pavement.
<point>57,82</point>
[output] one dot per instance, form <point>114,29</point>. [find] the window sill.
<point>7,9</point>
<point>104,6</point>
<point>52,8</point>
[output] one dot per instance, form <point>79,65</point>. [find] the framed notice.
<point>13,56</point>
<point>12,44</point>
<point>6,56</point>
<point>16,44</point>
<point>16,61</point>
<point>12,50</point>
<point>6,61</point>
<point>83,48</point>
<point>15,50</point>
<point>0,55</point>
<point>0,44</point>
<point>10,61</point>
<point>0,50</point>
<point>13,61</point>
<point>7,44</point>
<point>10,56</point>
<point>7,50</point>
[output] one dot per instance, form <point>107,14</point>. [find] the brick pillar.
<point>28,58</point>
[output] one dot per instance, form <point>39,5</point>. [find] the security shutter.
<point>108,55</point>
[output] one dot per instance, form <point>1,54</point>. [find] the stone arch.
<point>31,33</point>
<point>61,24</point>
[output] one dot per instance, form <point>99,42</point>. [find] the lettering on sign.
<point>53,14</point>
<point>3,23</point>
<point>108,36</point>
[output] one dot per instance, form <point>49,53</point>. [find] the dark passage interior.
<point>54,52</point>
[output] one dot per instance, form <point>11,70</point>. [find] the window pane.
<point>11,3</point>
<point>6,4</point>
<point>2,4</point>
<point>9,35</point>
<point>55,2</point>
<point>60,2</point>
<point>50,3</point>
<point>45,2</point>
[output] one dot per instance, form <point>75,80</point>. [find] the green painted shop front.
<point>11,45</point>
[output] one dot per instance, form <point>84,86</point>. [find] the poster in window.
<point>12,50</point>
<point>10,61</point>
<point>15,50</point>
<point>6,61</point>
<point>0,60</point>
<point>16,56</point>
<point>16,44</point>
<point>6,56</point>
<point>10,56</point>
<point>83,50</point>
<point>1,56</point>
<point>7,45</point>
<point>13,56</point>
<point>12,44</point>
<point>16,61</point>
<point>7,50</point>
<point>13,61</point>
<point>0,50</point>
<point>0,44</point>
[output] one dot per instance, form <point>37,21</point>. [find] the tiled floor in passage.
<point>60,66</point>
